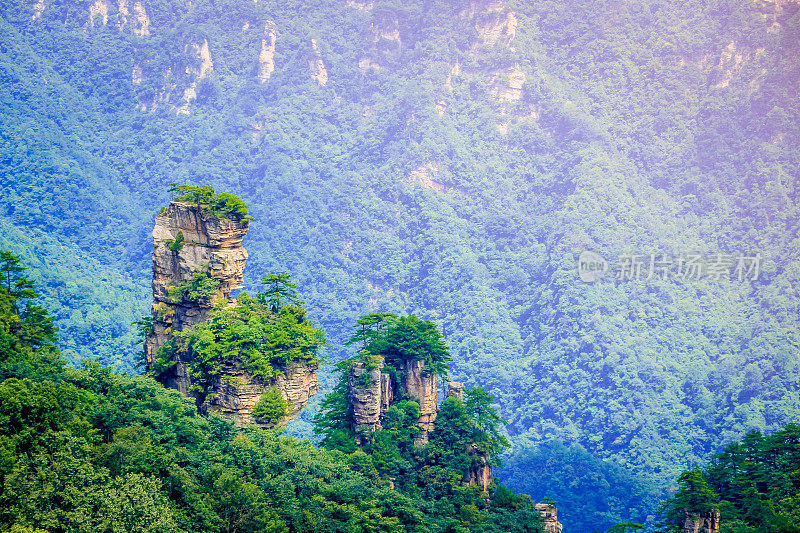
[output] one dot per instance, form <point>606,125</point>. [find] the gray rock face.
<point>480,474</point>
<point>707,522</point>
<point>422,388</point>
<point>369,398</point>
<point>369,395</point>
<point>550,517</point>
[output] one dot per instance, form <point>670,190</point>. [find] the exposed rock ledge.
<point>237,392</point>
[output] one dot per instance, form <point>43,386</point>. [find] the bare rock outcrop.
<point>369,395</point>
<point>266,58</point>
<point>480,473</point>
<point>370,392</point>
<point>706,522</point>
<point>550,517</point>
<point>454,388</point>
<point>236,393</point>
<point>421,387</point>
<point>318,71</point>
<point>187,240</point>
<point>209,244</point>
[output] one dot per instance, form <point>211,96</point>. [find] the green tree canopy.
<point>280,290</point>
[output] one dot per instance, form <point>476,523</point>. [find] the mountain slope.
<point>451,159</point>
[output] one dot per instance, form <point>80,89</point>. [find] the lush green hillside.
<point>754,485</point>
<point>456,160</point>
<point>91,450</point>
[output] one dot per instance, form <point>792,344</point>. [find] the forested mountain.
<point>92,450</point>
<point>450,160</point>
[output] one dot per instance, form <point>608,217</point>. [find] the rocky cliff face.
<point>422,388</point>
<point>707,522</point>
<point>550,518</point>
<point>212,245</point>
<point>370,397</point>
<point>480,474</point>
<point>236,393</point>
<point>370,393</point>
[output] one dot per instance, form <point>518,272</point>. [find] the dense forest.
<point>448,160</point>
<point>90,449</point>
<point>753,484</point>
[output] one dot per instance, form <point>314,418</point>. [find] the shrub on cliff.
<point>249,334</point>
<point>754,483</point>
<point>400,339</point>
<point>93,450</point>
<point>271,407</point>
<point>221,205</point>
<point>201,286</point>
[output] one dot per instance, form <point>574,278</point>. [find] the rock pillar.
<point>549,517</point>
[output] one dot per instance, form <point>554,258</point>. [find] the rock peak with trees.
<point>386,403</point>
<point>252,358</point>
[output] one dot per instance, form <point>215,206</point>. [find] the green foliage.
<point>754,483</point>
<point>487,436</point>
<point>466,435</point>
<point>280,289</point>
<point>164,360</point>
<point>10,267</point>
<point>635,130</point>
<point>252,335</point>
<point>220,205</point>
<point>144,326</point>
<point>609,493</point>
<point>94,450</point>
<point>200,287</point>
<point>175,245</point>
<point>333,421</point>
<point>401,339</point>
<point>28,335</point>
<point>624,527</point>
<point>370,327</point>
<point>271,407</point>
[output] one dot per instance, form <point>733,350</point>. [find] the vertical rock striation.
<point>369,395</point>
<point>550,518</point>
<point>371,392</point>
<point>706,522</point>
<point>454,388</point>
<point>480,473</point>
<point>421,387</point>
<point>210,244</point>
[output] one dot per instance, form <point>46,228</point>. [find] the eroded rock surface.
<point>369,395</point>
<point>422,388</point>
<point>236,393</point>
<point>480,473</point>
<point>550,518</point>
<point>454,388</point>
<point>707,522</point>
<point>212,245</point>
